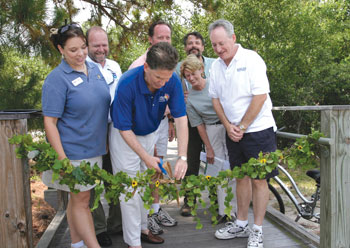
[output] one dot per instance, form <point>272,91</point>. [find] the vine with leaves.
<point>302,152</point>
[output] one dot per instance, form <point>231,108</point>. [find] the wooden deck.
<point>185,234</point>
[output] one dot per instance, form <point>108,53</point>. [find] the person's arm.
<point>53,136</point>
<point>130,139</point>
<point>208,148</point>
<point>182,141</point>
<point>233,131</point>
<point>253,110</point>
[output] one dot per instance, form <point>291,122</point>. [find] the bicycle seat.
<point>314,174</point>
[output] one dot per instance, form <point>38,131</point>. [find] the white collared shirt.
<point>112,73</point>
<point>236,84</point>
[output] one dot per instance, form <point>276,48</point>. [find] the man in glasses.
<point>98,50</point>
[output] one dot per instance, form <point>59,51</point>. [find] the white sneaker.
<point>232,230</point>
<point>255,239</point>
<point>163,218</point>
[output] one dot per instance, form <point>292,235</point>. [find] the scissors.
<point>162,168</point>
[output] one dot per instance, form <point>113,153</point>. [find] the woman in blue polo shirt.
<point>75,104</point>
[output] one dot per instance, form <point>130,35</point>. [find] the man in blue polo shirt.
<point>139,105</point>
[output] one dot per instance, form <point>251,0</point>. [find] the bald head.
<point>98,47</point>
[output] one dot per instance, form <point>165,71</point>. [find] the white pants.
<point>162,137</point>
<point>134,215</point>
<point>217,138</point>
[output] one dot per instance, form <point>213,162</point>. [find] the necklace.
<point>84,70</point>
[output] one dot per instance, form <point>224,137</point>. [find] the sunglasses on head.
<point>67,27</point>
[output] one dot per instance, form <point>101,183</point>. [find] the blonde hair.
<point>192,64</point>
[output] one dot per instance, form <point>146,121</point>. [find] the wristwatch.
<point>184,158</point>
<point>242,127</point>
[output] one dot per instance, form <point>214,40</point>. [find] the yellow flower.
<point>134,183</point>
<point>157,183</point>
<point>263,161</point>
<point>300,147</point>
<point>281,157</point>
<point>208,177</point>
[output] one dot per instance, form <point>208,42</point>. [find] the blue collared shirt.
<point>136,108</point>
<point>81,104</point>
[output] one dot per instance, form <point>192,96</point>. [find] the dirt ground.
<point>292,213</point>
<point>42,212</point>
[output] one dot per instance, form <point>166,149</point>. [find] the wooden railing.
<point>15,204</point>
<point>335,173</point>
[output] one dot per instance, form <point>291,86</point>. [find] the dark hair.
<point>64,33</point>
<point>196,34</point>
<point>162,56</point>
<point>154,24</point>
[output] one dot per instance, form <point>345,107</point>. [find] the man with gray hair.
<point>239,89</point>
<point>139,105</point>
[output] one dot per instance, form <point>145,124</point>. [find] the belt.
<point>215,123</point>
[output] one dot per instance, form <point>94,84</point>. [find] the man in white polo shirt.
<point>240,94</point>
<point>98,49</point>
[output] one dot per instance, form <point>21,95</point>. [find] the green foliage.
<point>21,79</point>
<point>46,158</point>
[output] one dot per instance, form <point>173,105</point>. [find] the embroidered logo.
<point>164,98</point>
<point>241,69</point>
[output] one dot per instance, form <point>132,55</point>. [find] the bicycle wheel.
<point>278,198</point>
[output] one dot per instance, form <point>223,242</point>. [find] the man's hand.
<point>234,133</point>
<point>152,163</point>
<point>185,96</point>
<point>210,155</point>
<point>180,169</point>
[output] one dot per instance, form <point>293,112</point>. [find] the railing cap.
<point>17,114</point>
<point>319,108</point>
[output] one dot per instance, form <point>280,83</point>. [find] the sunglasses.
<point>67,27</point>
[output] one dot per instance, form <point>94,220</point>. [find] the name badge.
<point>77,81</point>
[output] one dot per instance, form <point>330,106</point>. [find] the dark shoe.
<point>150,238</point>
<point>224,218</point>
<point>104,239</point>
<point>186,210</point>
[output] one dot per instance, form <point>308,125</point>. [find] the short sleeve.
<point>121,109</point>
<point>194,118</point>
<point>257,72</point>
<point>212,92</point>
<point>53,97</point>
<point>177,104</point>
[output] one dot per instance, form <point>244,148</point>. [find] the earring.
<point>203,75</point>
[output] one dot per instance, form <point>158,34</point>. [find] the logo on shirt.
<point>242,69</point>
<point>164,98</point>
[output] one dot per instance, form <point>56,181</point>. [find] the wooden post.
<point>335,179</point>
<point>15,202</point>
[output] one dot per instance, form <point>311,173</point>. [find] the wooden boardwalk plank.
<point>185,234</point>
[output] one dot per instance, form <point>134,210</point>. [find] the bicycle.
<point>305,208</point>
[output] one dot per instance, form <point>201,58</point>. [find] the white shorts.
<point>47,176</point>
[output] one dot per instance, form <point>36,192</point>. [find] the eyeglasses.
<point>67,27</point>
<point>114,75</point>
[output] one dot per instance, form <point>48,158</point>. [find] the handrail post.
<point>15,204</point>
<point>335,180</point>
